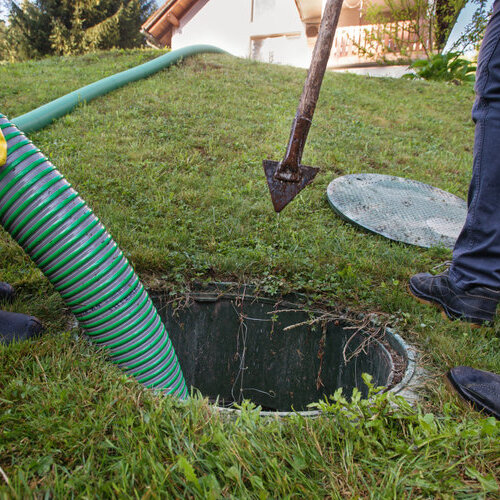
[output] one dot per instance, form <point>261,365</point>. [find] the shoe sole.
<point>438,306</point>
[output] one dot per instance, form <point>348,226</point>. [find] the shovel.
<point>287,178</point>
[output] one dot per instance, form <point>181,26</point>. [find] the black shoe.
<point>476,305</point>
<point>480,388</point>
<point>6,292</point>
<point>16,327</point>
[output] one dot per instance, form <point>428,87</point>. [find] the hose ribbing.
<point>60,233</point>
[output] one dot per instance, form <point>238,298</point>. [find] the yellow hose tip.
<point>3,150</point>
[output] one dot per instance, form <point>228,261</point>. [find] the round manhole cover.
<point>233,345</point>
<point>400,209</point>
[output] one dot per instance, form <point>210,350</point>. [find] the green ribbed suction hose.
<point>60,233</point>
<point>46,216</point>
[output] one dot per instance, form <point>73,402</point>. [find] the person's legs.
<point>16,326</point>
<point>470,289</point>
<point>476,256</point>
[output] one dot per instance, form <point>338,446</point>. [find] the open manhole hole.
<point>233,345</point>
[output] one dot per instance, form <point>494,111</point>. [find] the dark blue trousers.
<point>476,256</point>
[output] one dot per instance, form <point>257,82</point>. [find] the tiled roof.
<point>158,28</point>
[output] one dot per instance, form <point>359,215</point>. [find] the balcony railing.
<point>361,44</point>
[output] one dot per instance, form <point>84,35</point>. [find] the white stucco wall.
<point>227,24</point>
<point>275,16</point>
<point>224,23</point>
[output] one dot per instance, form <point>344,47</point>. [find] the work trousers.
<point>476,256</point>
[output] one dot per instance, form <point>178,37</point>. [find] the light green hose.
<point>46,114</point>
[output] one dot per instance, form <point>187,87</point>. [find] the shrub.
<point>447,67</point>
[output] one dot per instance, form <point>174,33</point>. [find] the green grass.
<point>172,166</point>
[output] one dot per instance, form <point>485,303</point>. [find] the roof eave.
<point>157,14</point>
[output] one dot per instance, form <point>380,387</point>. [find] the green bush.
<point>444,67</point>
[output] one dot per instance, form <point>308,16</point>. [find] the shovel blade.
<point>283,192</point>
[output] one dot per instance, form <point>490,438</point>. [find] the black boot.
<point>17,326</point>
<point>476,305</point>
<point>480,388</point>
<point>6,292</point>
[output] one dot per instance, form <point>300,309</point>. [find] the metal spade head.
<point>283,192</point>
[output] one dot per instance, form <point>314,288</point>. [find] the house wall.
<point>275,34</point>
<point>270,31</point>
<point>275,16</point>
<point>350,16</point>
<point>223,23</point>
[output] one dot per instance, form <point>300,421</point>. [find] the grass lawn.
<point>172,166</point>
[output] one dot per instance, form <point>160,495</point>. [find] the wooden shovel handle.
<point>321,54</point>
<point>289,167</point>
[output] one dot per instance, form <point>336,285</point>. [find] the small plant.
<point>378,402</point>
<point>447,67</point>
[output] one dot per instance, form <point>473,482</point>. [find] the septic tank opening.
<point>234,345</point>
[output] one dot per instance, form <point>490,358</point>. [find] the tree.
<point>473,33</point>
<point>445,16</point>
<point>48,27</point>
<point>28,31</point>
<point>3,42</point>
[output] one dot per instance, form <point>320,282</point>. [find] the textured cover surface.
<point>400,209</point>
